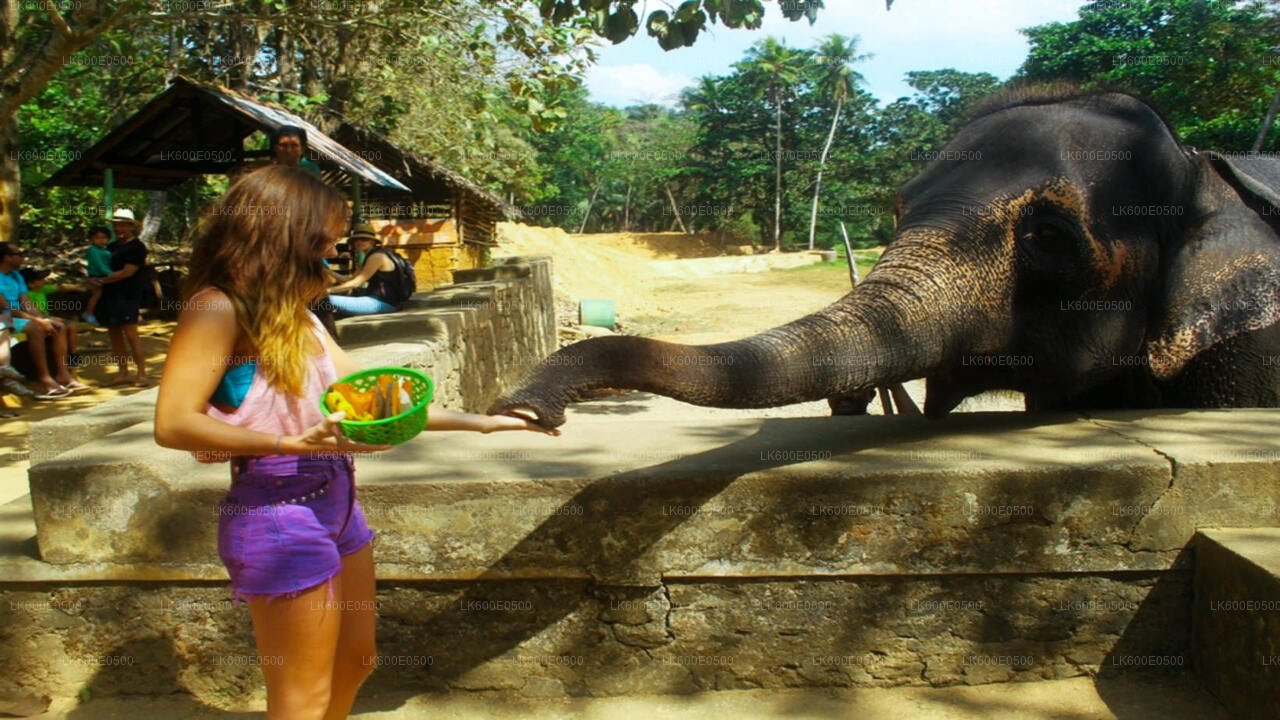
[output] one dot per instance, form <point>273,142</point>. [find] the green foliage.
<point>616,20</point>
<point>717,152</point>
<point>1210,65</point>
<point>494,90</point>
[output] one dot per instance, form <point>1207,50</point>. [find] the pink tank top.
<point>269,410</point>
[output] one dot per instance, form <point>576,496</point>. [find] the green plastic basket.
<point>392,430</point>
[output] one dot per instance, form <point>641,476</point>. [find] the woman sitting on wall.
<point>389,277</point>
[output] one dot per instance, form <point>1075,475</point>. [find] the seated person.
<point>10,378</point>
<point>383,270</point>
<point>49,338</point>
<point>38,289</point>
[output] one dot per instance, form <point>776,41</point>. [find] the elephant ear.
<point>1224,278</point>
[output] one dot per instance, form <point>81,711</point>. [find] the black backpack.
<point>404,284</point>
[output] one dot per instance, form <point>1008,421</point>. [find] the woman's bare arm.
<point>372,264</point>
<point>439,418</point>
<point>198,357</point>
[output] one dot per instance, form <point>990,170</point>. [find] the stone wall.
<point>639,557</point>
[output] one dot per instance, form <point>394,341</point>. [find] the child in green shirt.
<point>98,259</point>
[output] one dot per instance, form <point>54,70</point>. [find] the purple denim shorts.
<point>287,521</point>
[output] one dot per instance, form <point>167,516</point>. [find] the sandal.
<point>75,385</point>
<point>61,392</point>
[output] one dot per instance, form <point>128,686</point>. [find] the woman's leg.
<point>135,347</point>
<point>64,375</point>
<point>357,653</point>
<point>116,333</point>
<point>38,345</point>
<point>359,305</point>
<point>297,638</point>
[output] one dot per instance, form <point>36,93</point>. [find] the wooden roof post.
<point>109,197</point>
<point>355,205</point>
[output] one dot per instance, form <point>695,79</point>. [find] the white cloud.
<point>635,84</point>
<point>968,35</point>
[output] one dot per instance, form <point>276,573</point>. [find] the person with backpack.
<point>389,277</point>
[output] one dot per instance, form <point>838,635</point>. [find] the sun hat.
<point>363,230</point>
<point>123,215</point>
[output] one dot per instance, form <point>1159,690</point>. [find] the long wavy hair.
<point>262,244</point>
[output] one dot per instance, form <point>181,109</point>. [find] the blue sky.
<point>969,35</point>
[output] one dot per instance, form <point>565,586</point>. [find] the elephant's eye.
<point>1043,232</point>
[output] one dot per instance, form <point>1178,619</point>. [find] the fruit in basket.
<point>387,398</point>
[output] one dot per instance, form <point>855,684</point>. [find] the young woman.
<point>378,271</point>
<point>245,369</point>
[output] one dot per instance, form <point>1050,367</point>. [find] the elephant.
<point>1064,244</point>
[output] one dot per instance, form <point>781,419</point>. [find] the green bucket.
<point>392,430</point>
<point>596,312</point>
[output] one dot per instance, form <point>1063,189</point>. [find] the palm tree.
<point>779,68</point>
<point>836,80</point>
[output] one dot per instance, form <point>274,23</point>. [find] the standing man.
<point>289,147</point>
<point>48,338</point>
<point>121,300</point>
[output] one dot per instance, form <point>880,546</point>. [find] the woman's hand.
<point>494,423</point>
<point>325,437</point>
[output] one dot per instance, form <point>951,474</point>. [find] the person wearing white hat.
<point>118,308</point>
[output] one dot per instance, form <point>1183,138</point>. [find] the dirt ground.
<point>677,287</point>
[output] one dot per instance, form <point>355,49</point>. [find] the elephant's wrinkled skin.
<point>1066,246</point>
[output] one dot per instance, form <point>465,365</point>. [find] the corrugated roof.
<point>207,124</point>
<point>410,166</point>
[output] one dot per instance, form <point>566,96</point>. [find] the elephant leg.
<point>906,406</point>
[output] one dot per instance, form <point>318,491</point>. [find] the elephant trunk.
<point>882,332</point>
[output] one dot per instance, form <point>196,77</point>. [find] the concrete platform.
<point>1236,636</point>
<point>776,553</point>
<point>1169,698</point>
<point>787,497</point>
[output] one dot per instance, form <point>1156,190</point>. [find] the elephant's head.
<point>1065,246</point>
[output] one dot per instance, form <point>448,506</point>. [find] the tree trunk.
<point>817,190</point>
<point>728,216</point>
<point>154,216</point>
<point>1266,123</point>
<point>9,180</point>
<point>9,169</point>
<point>675,208</point>
<point>587,214</point>
<point>626,210</point>
<point>777,172</point>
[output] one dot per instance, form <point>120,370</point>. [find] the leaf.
<point>622,25</point>
<point>658,23</point>
<point>564,11</point>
